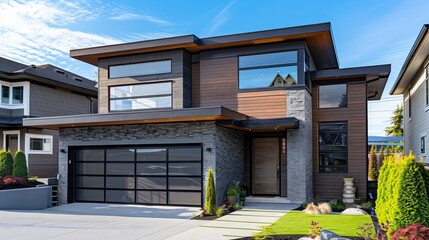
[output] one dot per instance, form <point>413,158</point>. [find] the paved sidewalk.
<point>242,223</point>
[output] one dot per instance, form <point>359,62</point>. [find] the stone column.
<point>300,147</point>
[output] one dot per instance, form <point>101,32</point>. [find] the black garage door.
<point>168,175</point>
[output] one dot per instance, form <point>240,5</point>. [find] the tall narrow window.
<point>409,103</point>
<point>422,144</point>
<point>333,152</point>
<point>18,95</point>
<point>427,85</point>
<point>5,94</point>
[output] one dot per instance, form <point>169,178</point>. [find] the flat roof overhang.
<point>10,122</point>
<point>135,117</point>
<point>318,37</point>
<point>261,125</point>
<point>375,76</point>
<point>416,58</point>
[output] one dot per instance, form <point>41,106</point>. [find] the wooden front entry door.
<point>265,166</point>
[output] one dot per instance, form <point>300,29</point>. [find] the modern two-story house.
<point>39,91</point>
<point>413,84</point>
<point>271,109</point>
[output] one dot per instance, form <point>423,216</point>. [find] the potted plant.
<point>231,195</point>
<point>348,180</point>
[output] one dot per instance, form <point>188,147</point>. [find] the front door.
<point>265,166</point>
<point>12,142</point>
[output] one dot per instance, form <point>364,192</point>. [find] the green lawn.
<point>297,222</point>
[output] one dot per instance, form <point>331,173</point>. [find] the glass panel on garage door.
<point>139,174</point>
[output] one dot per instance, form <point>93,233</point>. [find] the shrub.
<point>220,211</point>
<point>367,205</point>
<point>402,193</point>
<point>6,163</point>
<point>414,231</point>
<point>20,165</point>
<point>210,201</point>
<point>372,171</point>
<point>366,231</point>
<point>13,182</point>
<point>380,160</point>
<point>315,229</point>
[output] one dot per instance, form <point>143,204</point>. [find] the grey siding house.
<point>413,84</point>
<point>271,109</point>
<point>39,91</point>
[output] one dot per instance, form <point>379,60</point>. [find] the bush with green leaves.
<point>20,165</point>
<point>210,200</point>
<point>6,163</point>
<point>372,171</point>
<point>403,193</point>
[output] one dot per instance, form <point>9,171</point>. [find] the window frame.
<point>427,85</point>
<point>141,96</point>
<point>409,105</point>
<point>29,136</point>
<point>347,96</point>
<point>140,62</point>
<point>423,144</point>
<point>318,146</point>
<point>267,66</point>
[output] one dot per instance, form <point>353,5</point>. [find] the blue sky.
<point>365,32</point>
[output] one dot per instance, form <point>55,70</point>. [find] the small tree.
<point>372,171</point>
<point>380,160</point>
<point>2,163</point>
<point>396,127</point>
<point>20,165</point>
<point>210,200</point>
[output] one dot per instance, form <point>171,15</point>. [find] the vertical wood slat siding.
<point>330,185</point>
<point>195,85</point>
<point>219,82</point>
<point>264,104</point>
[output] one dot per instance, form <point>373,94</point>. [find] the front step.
<point>255,199</point>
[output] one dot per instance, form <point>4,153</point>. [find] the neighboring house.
<point>39,91</point>
<point>171,108</point>
<point>380,141</point>
<point>413,83</point>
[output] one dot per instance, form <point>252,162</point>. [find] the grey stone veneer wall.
<point>299,147</point>
<point>226,155</point>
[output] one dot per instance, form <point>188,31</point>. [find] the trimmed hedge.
<point>6,163</point>
<point>20,165</point>
<point>403,193</point>
<point>210,201</point>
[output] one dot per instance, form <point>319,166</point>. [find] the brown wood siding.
<point>263,104</point>
<point>195,85</point>
<point>330,185</point>
<point>219,82</point>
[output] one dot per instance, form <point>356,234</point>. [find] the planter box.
<point>34,198</point>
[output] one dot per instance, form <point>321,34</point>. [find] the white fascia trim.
<point>32,135</point>
<point>5,133</point>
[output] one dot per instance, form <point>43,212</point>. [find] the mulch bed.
<point>205,217</point>
<point>292,237</point>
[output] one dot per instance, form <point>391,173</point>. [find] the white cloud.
<point>220,19</point>
<point>128,16</point>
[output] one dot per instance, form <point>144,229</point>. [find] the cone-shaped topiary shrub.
<point>372,171</point>
<point>20,165</point>
<point>403,193</point>
<point>210,200</point>
<point>6,163</point>
<point>380,160</point>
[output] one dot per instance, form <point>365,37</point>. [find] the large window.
<point>333,147</point>
<point>139,69</point>
<point>38,144</point>
<point>333,96</point>
<point>12,95</point>
<point>268,70</point>
<point>141,96</point>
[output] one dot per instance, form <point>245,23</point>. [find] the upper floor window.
<point>333,151</point>
<point>409,103</point>
<point>141,96</point>
<point>333,96</point>
<point>12,95</point>
<point>427,84</point>
<point>139,69</point>
<point>268,70</point>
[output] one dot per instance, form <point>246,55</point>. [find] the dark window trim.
<point>423,144</point>
<point>318,147</point>
<point>139,62</point>
<point>347,95</point>
<point>409,104</point>
<point>268,66</point>
<point>427,84</point>
<point>143,96</point>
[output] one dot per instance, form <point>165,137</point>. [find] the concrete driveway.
<point>98,221</point>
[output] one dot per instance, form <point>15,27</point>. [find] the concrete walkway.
<point>242,223</point>
<point>98,221</point>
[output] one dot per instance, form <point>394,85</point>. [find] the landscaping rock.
<point>354,211</point>
<point>329,235</point>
